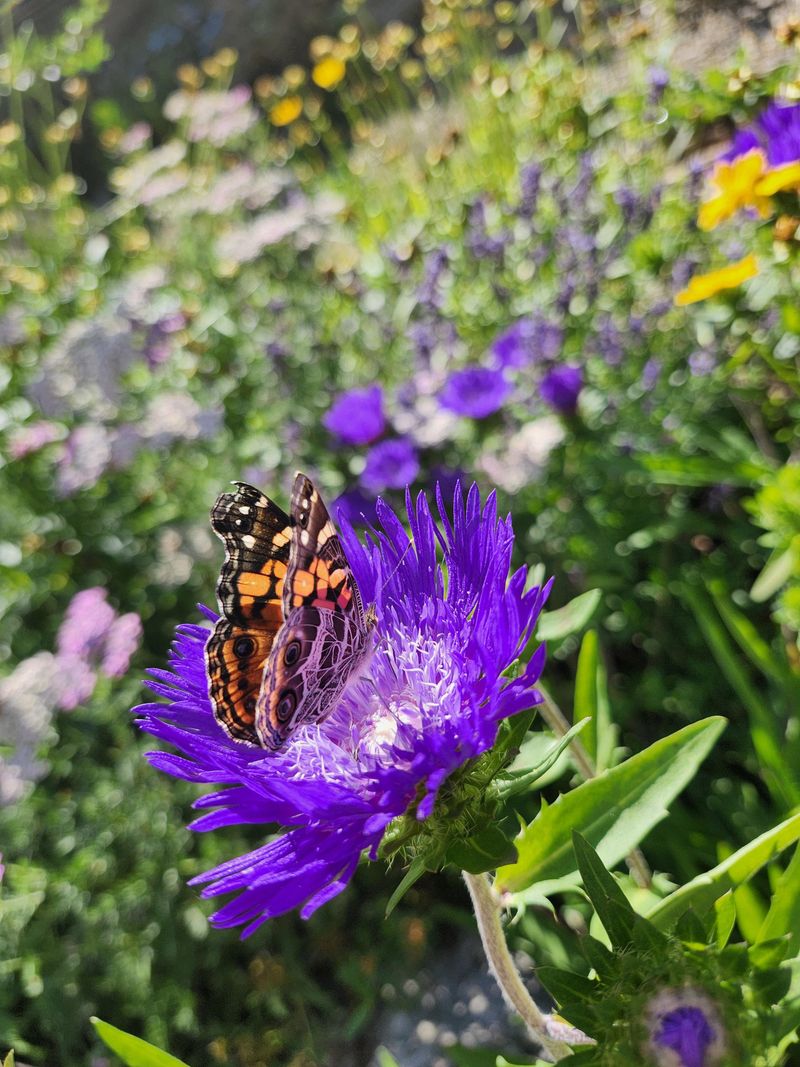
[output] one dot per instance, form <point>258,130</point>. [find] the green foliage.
<point>242,278</point>
<point>132,1050</point>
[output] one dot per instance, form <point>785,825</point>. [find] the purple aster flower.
<point>560,388</point>
<point>432,697</point>
<point>357,416</point>
<point>474,391</point>
<point>390,465</point>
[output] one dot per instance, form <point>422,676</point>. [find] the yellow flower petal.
<point>328,72</point>
<point>286,111</point>
<point>702,286</point>
<point>738,185</point>
<point>776,179</point>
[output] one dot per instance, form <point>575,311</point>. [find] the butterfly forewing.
<point>257,536</point>
<point>325,637</point>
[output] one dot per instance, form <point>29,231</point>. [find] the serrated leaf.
<point>571,619</point>
<point>485,851</point>
<point>608,900</point>
<point>702,891</point>
<point>133,1051</point>
<point>613,811</point>
<point>783,916</point>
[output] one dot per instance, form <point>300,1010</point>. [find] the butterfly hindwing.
<point>257,536</point>
<point>325,637</point>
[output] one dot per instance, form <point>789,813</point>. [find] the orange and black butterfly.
<point>294,629</point>
<point>257,535</point>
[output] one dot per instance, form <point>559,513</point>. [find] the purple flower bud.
<point>474,391</point>
<point>685,1029</point>
<point>356,508</point>
<point>391,464</point>
<point>561,387</point>
<point>357,416</point>
<point>657,82</point>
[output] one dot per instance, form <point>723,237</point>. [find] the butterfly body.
<point>292,614</point>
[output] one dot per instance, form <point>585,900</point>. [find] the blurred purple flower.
<point>687,1032</point>
<point>213,115</point>
<point>657,82</point>
<point>608,340</point>
<point>475,392</point>
<point>702,362</point>
<point>84,457</point>
<point>93,639</point>
<point>530,182</point>
<point>479,241</point>
<point>356,416</point>
<point>355,508</point>
<point>32,437</point>
<point>651,372</point>
<point>390,464</point>
<point>432,700</point>
<point>685,1029</point>
<point>529,339</point>
<point>560,388</point>
<point>429,294</point>
<point>776,131</point>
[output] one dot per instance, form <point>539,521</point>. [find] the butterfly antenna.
<point>396,568</point>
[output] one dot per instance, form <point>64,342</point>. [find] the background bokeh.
<point>480,216</point>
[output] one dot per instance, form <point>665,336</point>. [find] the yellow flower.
<point>702,286</point>
<point>776,179</point>
<point>286,111</point>
<point>328,72</point>
<point>738,183</point>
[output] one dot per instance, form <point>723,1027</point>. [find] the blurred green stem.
<point>487,913</point>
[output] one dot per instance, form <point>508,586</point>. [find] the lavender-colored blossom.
<point>85,456</point>
<point>214,116</point>
<point>475,392</point>
<point>429,293</point>
<point>481,243</point>
<point>702,362</point>
<point>356,416</point>
<point>28,698</point>
<point>431,699</point>
<point>390,464</point>
<point>608,340</point>
<point>530,183</point>
<point>92,638</point>
<point>513,349</point>
<point>134,138</point>
<point>560,388</point>
<point>651,372</point>
<point>657,82</point>
<point>33,437</point>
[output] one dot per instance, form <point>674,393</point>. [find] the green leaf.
<point>613,811</point>
<point>9,1060</point>
<point>766,740</point>
<point>748,638</point>
<point>777,571</point>
<point>603,961</point>
<point>483,852</point>
<point>702,891</point>
<point>726,918</point>
<point>133,1051</point>
<point>385,1058</point>
<point>576,996</point>
<point>472,1057</point>
<point>603,891</point>
<point>586,690</point>
<point>701,470</point>
<point>571,619</point>
<point>783,916</point>
<point>519,778</point>
<point>415,871</point>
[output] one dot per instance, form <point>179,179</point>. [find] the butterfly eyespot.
<point>292,653</point>
<point>244,524</point>
<point>286,705</point>
<point>243,647</point>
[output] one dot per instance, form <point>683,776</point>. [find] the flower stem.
<point>487,913</point>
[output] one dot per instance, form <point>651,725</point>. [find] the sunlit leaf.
<point>133,1051</point>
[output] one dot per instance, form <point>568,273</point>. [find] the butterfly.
<point>293,630</point>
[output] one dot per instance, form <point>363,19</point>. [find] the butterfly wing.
<point>257,537</point>
<point>325,637</point>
